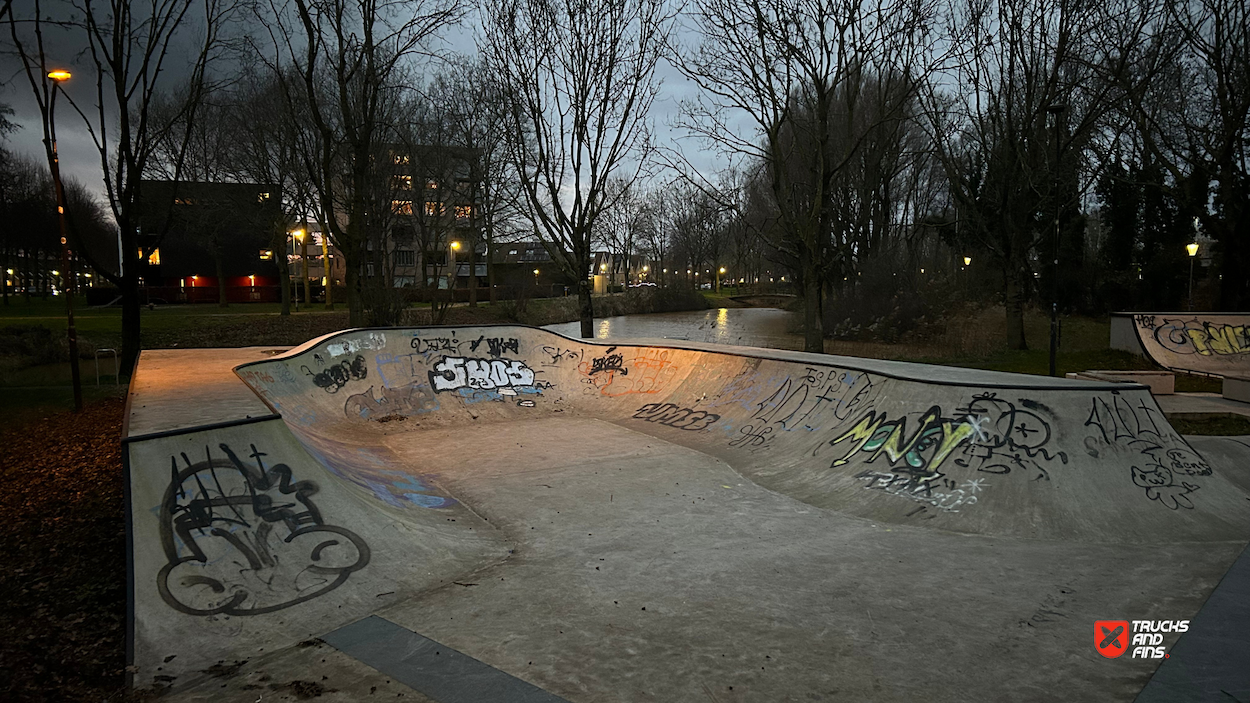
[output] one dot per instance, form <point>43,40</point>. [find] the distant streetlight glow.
<point>1192,248</point>
<point>59,75</point>
<point>967,261</point>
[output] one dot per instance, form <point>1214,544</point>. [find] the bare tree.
<point>1013,119</point>
<point>579,80</point>
<point>348,57</point>
<point>796,71</point>
<point>134,59</point>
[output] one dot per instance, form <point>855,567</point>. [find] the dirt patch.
<point>62,616</point>
<point>303,690</point>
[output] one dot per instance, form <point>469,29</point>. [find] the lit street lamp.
<point>453,247</point>
<point>66,283</point>
<point>967,261</point>
<point>1192,248</point>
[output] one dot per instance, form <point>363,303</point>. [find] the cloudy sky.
<point>81,161</point>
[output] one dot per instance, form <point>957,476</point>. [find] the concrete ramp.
<point>1214,344</point>
<point>373,478</point>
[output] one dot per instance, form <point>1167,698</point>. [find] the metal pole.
<point>303,255</point>
<point>1191,283</point>
<point>1055,110</point>
<point>67,285</point>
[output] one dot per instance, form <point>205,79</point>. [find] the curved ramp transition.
<point>1207,343</point>
<point>377,478</point>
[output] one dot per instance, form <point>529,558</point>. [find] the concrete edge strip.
<point>837,362</point>
<point>201,428</point>
<point>437,671</point>
<point>1208,663</point>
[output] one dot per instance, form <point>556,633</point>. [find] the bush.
<point>32,344</point>
<point>881,308</point>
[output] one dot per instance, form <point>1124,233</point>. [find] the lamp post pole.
<point>1055,110</point>
<point>1192,248</point>
<point>67,283</point>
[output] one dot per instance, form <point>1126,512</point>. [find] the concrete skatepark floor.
<point>600,559</point>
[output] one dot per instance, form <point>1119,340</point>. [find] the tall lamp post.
<point>67,285</point>
<point>1056,110</point>
<point>1192,248</point>
<point>452,248</point>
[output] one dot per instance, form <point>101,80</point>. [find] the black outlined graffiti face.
<point>241,538</point>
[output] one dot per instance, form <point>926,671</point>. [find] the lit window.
<point>433,208</point>
<point>402,207</point>
<point>403,182</point>
<point>262,197</point>
<point>155,257</point>
<point>432,185</point>
<point>464,212</point>
<point>266,254</point>
<point>401,158</point>
<point>184,201</point>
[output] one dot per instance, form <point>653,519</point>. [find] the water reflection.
<point>754,327</point>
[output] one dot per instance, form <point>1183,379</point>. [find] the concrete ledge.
<point>1236,388</point>
<point>1159,382</point>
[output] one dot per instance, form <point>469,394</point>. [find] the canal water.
<point>752,327</point>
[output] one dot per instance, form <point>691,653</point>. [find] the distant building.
<point>197,239</point>
<point>435,214</point>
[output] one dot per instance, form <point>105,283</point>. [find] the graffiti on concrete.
<point>944,494</point>
<point>911,454</point>
<point>800,403</point>
<point>241,538</point>
<point>608,362</point>
<point>332,378</point>
<point>560,355</point>
<point>454,372</point>
<point>1162,462</point>
<point>413,399</point>
<point>496,346</point>
<point>1008,436</point>
<point>921,452</point>
<point>374,340</point>
<point>432,345</point>
<point>676,416</point>
<point>647,371</point>
<point>1195,336</point>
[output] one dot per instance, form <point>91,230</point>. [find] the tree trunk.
<point>1013,297</point>
<point>490,267</point>
<point>284,276</point>
<point>355,304</point>
<point>813,330</point>
<point>130,323</point>
<point>586,307</point>
<point>472,275</point>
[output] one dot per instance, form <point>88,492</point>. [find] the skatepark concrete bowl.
<point>562,519</point>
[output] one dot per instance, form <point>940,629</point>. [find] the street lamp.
<point>1057,109</point>
<point>719,272</point>
<point>452,248</point>
<point>1192,248</point>
<point>57,78</point>
<point>967,261</point>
